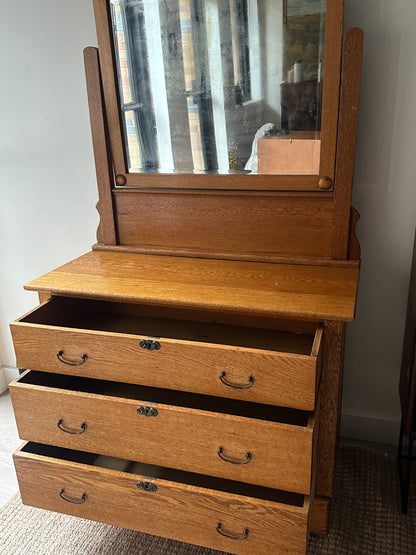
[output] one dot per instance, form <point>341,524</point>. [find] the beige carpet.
<point>366,519</point>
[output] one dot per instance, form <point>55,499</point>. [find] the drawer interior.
<point>166,397</point>
<point>147,321</point>
<point>162,473</point>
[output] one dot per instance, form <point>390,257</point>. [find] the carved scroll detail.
<point>354,249</point>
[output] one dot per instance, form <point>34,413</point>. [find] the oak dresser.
<point>183,378</point>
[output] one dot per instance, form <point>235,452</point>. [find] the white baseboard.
<point>367,428</point>
<point>7,375</point>
<point>3,380</point>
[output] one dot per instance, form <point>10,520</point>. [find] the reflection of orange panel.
<point>292,154</point>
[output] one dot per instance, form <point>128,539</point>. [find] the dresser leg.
<point>319,521</point>
<point>404,482</point>
<point>400,449</point>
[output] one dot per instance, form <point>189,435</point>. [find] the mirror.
<point>220,86</point>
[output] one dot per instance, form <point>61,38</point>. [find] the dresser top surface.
<point>255,288</point>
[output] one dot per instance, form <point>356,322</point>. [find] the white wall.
<point>385,195</point>
<point>47,178</point>
<point>48,188</point>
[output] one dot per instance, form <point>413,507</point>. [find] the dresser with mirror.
<point>183,378</point>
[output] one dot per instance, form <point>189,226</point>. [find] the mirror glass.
<point>220,86</point>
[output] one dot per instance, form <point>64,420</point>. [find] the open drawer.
<point>115,341</point>
<point>215,513</point>
<point>255,443</point>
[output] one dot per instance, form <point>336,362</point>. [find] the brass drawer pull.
<point>83,498</point>
<point>250,382</point>
<point>147,486</point>
<point>83,357</point>
<point>147,411</point>
<point>150,344</point>
<point>243,537</point>
<point>73,432</point>
<point>221,456</point>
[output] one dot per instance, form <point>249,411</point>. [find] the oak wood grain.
<point>330,93</point>
<point>329,406</point>
<point>314,424</point>
<point>177,511</point>
<point>294,337</point>
<point>260,224</point>
<point>258,289</point>
<point>106,232</point>
<point>167,251</point>
<point>287,378</point>
<point>109,81</point>
<point>223,182</point>
<point>178,437</point>
<point>347,133</point>
<point>320,512</point>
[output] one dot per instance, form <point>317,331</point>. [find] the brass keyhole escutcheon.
<point>147,411</point>
<point>150,344</point>
<point>146,486</point>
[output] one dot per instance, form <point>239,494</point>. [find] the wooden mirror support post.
<point>185,375</point>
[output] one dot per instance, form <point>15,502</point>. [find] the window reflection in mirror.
<point>220,86</point>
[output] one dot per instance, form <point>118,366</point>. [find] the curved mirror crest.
<point>220,86</point>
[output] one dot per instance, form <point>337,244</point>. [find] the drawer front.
<point>178,511</point>
<point>272,454</point>
<point>256,375</point>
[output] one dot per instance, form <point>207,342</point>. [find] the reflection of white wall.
<point>158,85</point>
<point>255,50</point>
<point>217,84</point>
<point>169,14</point>
<point>271,16</point>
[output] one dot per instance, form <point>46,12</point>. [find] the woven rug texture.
<point>365,519</point>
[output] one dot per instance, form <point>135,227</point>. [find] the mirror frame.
<point>259,182</point>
